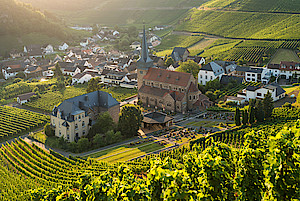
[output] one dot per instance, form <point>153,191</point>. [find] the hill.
<point>21,24</point>
<point>111,12</point>
<point>288,6</point>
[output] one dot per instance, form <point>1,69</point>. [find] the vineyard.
<point>233,91</point>
<point>25,167</point>
<point>14,121</point>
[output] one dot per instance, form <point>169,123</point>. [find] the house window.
<point>59,133</point>
<point>141,72</point>
<point>83,124</point>
<point>59,125</point>
<point>211,77</point>
<point>258,94</point>
<point>206,77</point>
<point>76,126</point>
<point>79,118</point>
<point>83,132</point>
<point>190,97</point>
<point>253,79</point>
<point>194,97</point>
<point>201,76</point>
<point>68,136</point>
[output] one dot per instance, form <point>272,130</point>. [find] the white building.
<point>48,49</point>
<point>209,72</point>
<point>24,98</point>
<point>254,92</point>
<point>63,47</point>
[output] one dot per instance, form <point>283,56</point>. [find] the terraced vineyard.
<point>14,120</point>
<point>50,169</point>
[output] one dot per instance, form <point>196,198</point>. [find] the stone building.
<point>73,118</point>
<point>167,90</point>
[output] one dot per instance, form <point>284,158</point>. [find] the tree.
<point>169,61</point>
<point>251,115</point>
<point>83,144</point>
<point>48,130</point>
<point>103,124</point>
<point>259,111</point>
<point>237,117</point>
<point>268,105</point>
<point>213,84</point>
<point>130,120</point>
<point>189,67</point>
<point>93,85</point>
<point>245,117</point>
<point>57,71</point>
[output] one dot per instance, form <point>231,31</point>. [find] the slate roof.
<point>26,96</point>
<point>213,67</point>
<point>274,66</point>
<point>156,118</point>
<point>252,88</point>
<point>275,86</point>
<point>168,77</point>
<point>242,68</point>
<point>153,91</point>
<point>255,70</point>
<point>178,53</point>
<point>83,103</point>
<point>227,78</point>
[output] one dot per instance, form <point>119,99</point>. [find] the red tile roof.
<point>168,77</point>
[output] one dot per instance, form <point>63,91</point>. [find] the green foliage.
<point>169,61</point>
<point>251,115</point>
<point>48,130</point>
<point>57,71</point>
<point>130,120</point>
<point>245,117</point>
<point>103,124</point>
<point>237,117</point>
<point>259,111</point>
<point>189,67</point>
<point>268,105</point>
<point>93,85</point>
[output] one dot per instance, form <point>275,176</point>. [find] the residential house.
<point>256,92</point>
<point>33,51</point>
<point>24,98</point>
<point>209,72</point>
<point>84,77</point>
<point>226,79</point>
<point>254,75</point>
<point>180,54</point>
<point>63,47</point>
<point>11,70</point>
<point>73,118</point>
<point>48,49</point>
<point>198,60</point>
<point>84,43</point>
<point>289,69</point>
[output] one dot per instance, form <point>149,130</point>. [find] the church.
<point>168,90</point>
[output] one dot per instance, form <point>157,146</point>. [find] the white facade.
<point>7,74</point>
<point>49,49</point>
<point>210,72</point>
<point>83,79</point>
<point>63,47</point>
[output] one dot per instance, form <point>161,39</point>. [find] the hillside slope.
<point>120,12</point>
<point>21,24</point>
<point>238,24</point>
<point>289,6</point>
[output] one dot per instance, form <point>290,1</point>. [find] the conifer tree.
<point>251,115</point>
<point>268,105</point>
<point>237,117</point>
<point>245,117</point>
<point>259,111</point>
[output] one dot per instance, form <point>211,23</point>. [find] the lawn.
<point>284,55</point>
<point>135,152</point>
<point>290,89</point>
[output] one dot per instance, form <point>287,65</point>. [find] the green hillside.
<point>290,6</point>
<point>242,24</point>
<point>21,24</point>
<point>120,12</point>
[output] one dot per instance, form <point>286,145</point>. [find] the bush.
<point>17,80</point>
<point>48,130</point>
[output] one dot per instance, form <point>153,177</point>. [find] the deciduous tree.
<point>130,120</point>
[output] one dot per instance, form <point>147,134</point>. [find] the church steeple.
<point>144,61</point>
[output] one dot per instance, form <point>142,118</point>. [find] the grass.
<point>120,93</point>
<point>114,150</point>
<point>135,152</point>
<point>290,89</point>
<point>172,40</point>
<point>284,55</point>
<point>39,136</point>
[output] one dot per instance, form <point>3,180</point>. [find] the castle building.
<point>73,118</point>
<point>168,90</point>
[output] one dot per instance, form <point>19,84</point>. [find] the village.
<point>171,100</point>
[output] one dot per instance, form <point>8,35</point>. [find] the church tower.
<point>144,62</point>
